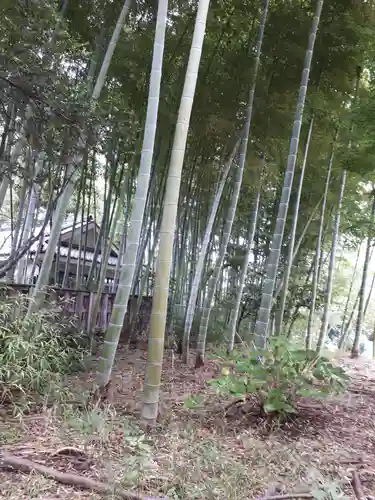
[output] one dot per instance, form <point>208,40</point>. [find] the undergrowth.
<point>278,375</point>
<point>36,352</point>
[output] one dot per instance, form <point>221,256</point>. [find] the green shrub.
<point>278,375</point>
<point>35,352</point>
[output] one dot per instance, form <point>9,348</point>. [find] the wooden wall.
<point>80,303</point>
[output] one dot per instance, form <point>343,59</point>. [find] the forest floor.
<point>197,453</point>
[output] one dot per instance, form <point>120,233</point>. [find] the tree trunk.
<point>350,291</point>
<point>299,243</point>
<point>318,250</point>
<point>30,214</point>
<point>264,313</point>
<point>128,265</point>
<point>331,269</point>
<point>105,258</point>
<point>203,254</point>
<point>362,291</point>
<point>345,332</point>
<point>160,298</point>
<point>279,316</point>
<point>243,275</point>
<point>235,196</point>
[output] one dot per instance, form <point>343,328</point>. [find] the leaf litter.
<point>200,452</point>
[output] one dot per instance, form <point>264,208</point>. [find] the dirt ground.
<point>197,453</point>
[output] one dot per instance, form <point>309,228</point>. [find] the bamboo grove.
<point>224,147</point>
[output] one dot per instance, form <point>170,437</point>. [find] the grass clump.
<point>36,352</point>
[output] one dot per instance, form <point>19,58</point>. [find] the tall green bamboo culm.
<point>212,284</point>
<point>318,251</point>
<point>279,317</point>
<point>128,265</point>
<point>164,261</point>
<point>264,314</point>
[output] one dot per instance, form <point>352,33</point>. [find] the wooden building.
<point>75,254</point>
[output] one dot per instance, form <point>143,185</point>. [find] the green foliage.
<point>48,58</point>
<point>279,374</point>
<point>35,353</point>
<point>193,402</point>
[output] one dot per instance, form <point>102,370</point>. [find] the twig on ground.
<point>82,482</point>
<point>352,461</point>
<point>361,390</point>
<point>242,341</point>
<point>357,486</point>
<point>274,489</point>
<point>235,402</point>
<point>288,495</point>
<point>69,450</point>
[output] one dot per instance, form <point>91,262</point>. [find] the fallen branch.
<point>356,485</point>
<point>81,482</point>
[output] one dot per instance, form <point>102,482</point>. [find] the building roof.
<point>88,254</point>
